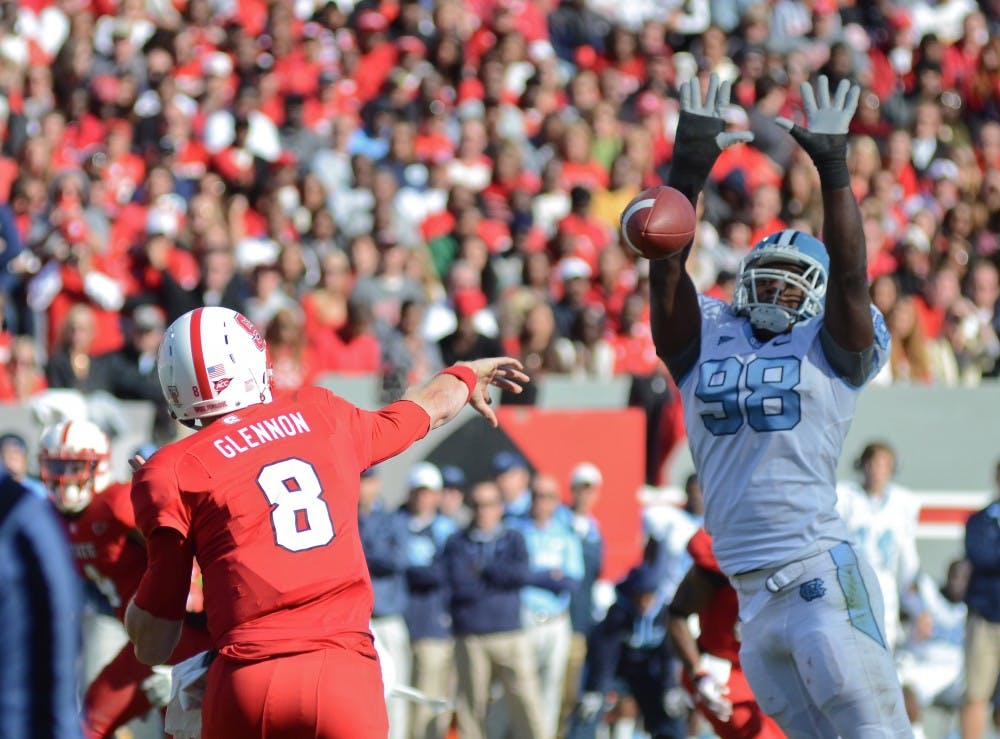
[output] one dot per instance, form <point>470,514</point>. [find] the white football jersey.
<point>766,423</point>
<point>885,530</point>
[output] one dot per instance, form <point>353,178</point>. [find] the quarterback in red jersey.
<point>265,495</point>
<point>110,553</point>
<point>712,673</point>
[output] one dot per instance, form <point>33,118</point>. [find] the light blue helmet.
<point>767,261</point>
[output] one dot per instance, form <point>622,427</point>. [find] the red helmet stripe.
<point>198,356</point>
<point>65,434</point>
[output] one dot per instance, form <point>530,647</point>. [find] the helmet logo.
<point>174,393</point>
<point>221,384</point>
<point>258,340</point>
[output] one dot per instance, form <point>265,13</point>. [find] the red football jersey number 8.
<point>291,486</point>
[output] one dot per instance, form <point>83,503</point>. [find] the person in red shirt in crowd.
<point>109,552</point>
<point>712,673</point>
<point>21,375</point>
<point>265,494</point>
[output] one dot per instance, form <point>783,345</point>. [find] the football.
<point>659,221</point>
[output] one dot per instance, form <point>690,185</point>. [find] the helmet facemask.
<point>70,479</point>
<point>788,266</point>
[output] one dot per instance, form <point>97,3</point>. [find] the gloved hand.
<point>157,686</point>
<point>701,134</point>
<point>712,694</point>
<point>827,121</point>
<point>589,706</point>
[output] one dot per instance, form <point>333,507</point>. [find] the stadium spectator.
<point>428,607</point>
<point>384,537</point>
<point>14,464</point>
<point>21,376</point>
<point>585,485</point>
<point>555,556</point>
<point>487,565</point>
<point>512,476</point>
<point>453,503</point>
<point>70,364</point>
<point>882,516</point>
<point>982,630</point>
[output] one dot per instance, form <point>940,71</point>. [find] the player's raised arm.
<point>847,317</point>
<point>701,136</point>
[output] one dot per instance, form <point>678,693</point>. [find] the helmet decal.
<point>211,362</point>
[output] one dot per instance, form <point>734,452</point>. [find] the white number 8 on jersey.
<point>301,518</point>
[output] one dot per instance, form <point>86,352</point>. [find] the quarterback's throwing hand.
<point>505,373</point>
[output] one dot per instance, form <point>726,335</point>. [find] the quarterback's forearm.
<point>442,397</point>
<point>154,638</point>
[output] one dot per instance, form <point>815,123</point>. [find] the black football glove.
<point>701,134</point>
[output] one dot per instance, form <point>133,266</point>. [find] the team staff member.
<point>265,494</point>
<point>712,673</point>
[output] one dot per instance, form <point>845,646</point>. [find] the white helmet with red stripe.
<point>73,458</point>
<point>212,361</point>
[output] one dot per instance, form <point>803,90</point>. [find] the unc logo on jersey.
<point>812,590</point>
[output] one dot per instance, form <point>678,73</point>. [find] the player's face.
<point>777,291</point>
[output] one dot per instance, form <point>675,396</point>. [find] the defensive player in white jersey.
<point>769,387</point>
<point>882,516</point>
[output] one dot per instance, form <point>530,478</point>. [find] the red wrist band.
<point>463,373</point>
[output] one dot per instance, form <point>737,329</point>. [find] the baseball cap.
<point>424,475</point>
<point>453,477</point>
<point>573,268</point>
<point>585,474</point>
<point>641,579</point>
<point>506,461</point>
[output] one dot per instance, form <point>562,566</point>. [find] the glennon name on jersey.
<point>253,435</point>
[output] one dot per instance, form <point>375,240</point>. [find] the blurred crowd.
<point>388,187</point>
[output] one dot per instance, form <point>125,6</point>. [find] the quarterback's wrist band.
<point>463,373</point>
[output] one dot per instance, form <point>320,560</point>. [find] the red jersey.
<point>719,618</point>
<point>268,496</point>
<point>107,549</point>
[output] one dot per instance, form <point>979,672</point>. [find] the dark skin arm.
<point>847,316</point>
<point>675,315</point>
<point>848,306</point>
<point>693,595</point>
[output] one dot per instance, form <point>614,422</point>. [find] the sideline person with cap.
<point>428,617</point>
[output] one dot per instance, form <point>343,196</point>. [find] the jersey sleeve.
<point>700,549</point>
<point>156,500</point>
<point>883,340</point>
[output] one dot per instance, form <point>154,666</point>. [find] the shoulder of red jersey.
<point>118,498</point>
<point>700,549</point>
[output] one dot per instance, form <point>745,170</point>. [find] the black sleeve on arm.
<point>855,367</point>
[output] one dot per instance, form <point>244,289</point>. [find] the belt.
<point>757,586</point>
